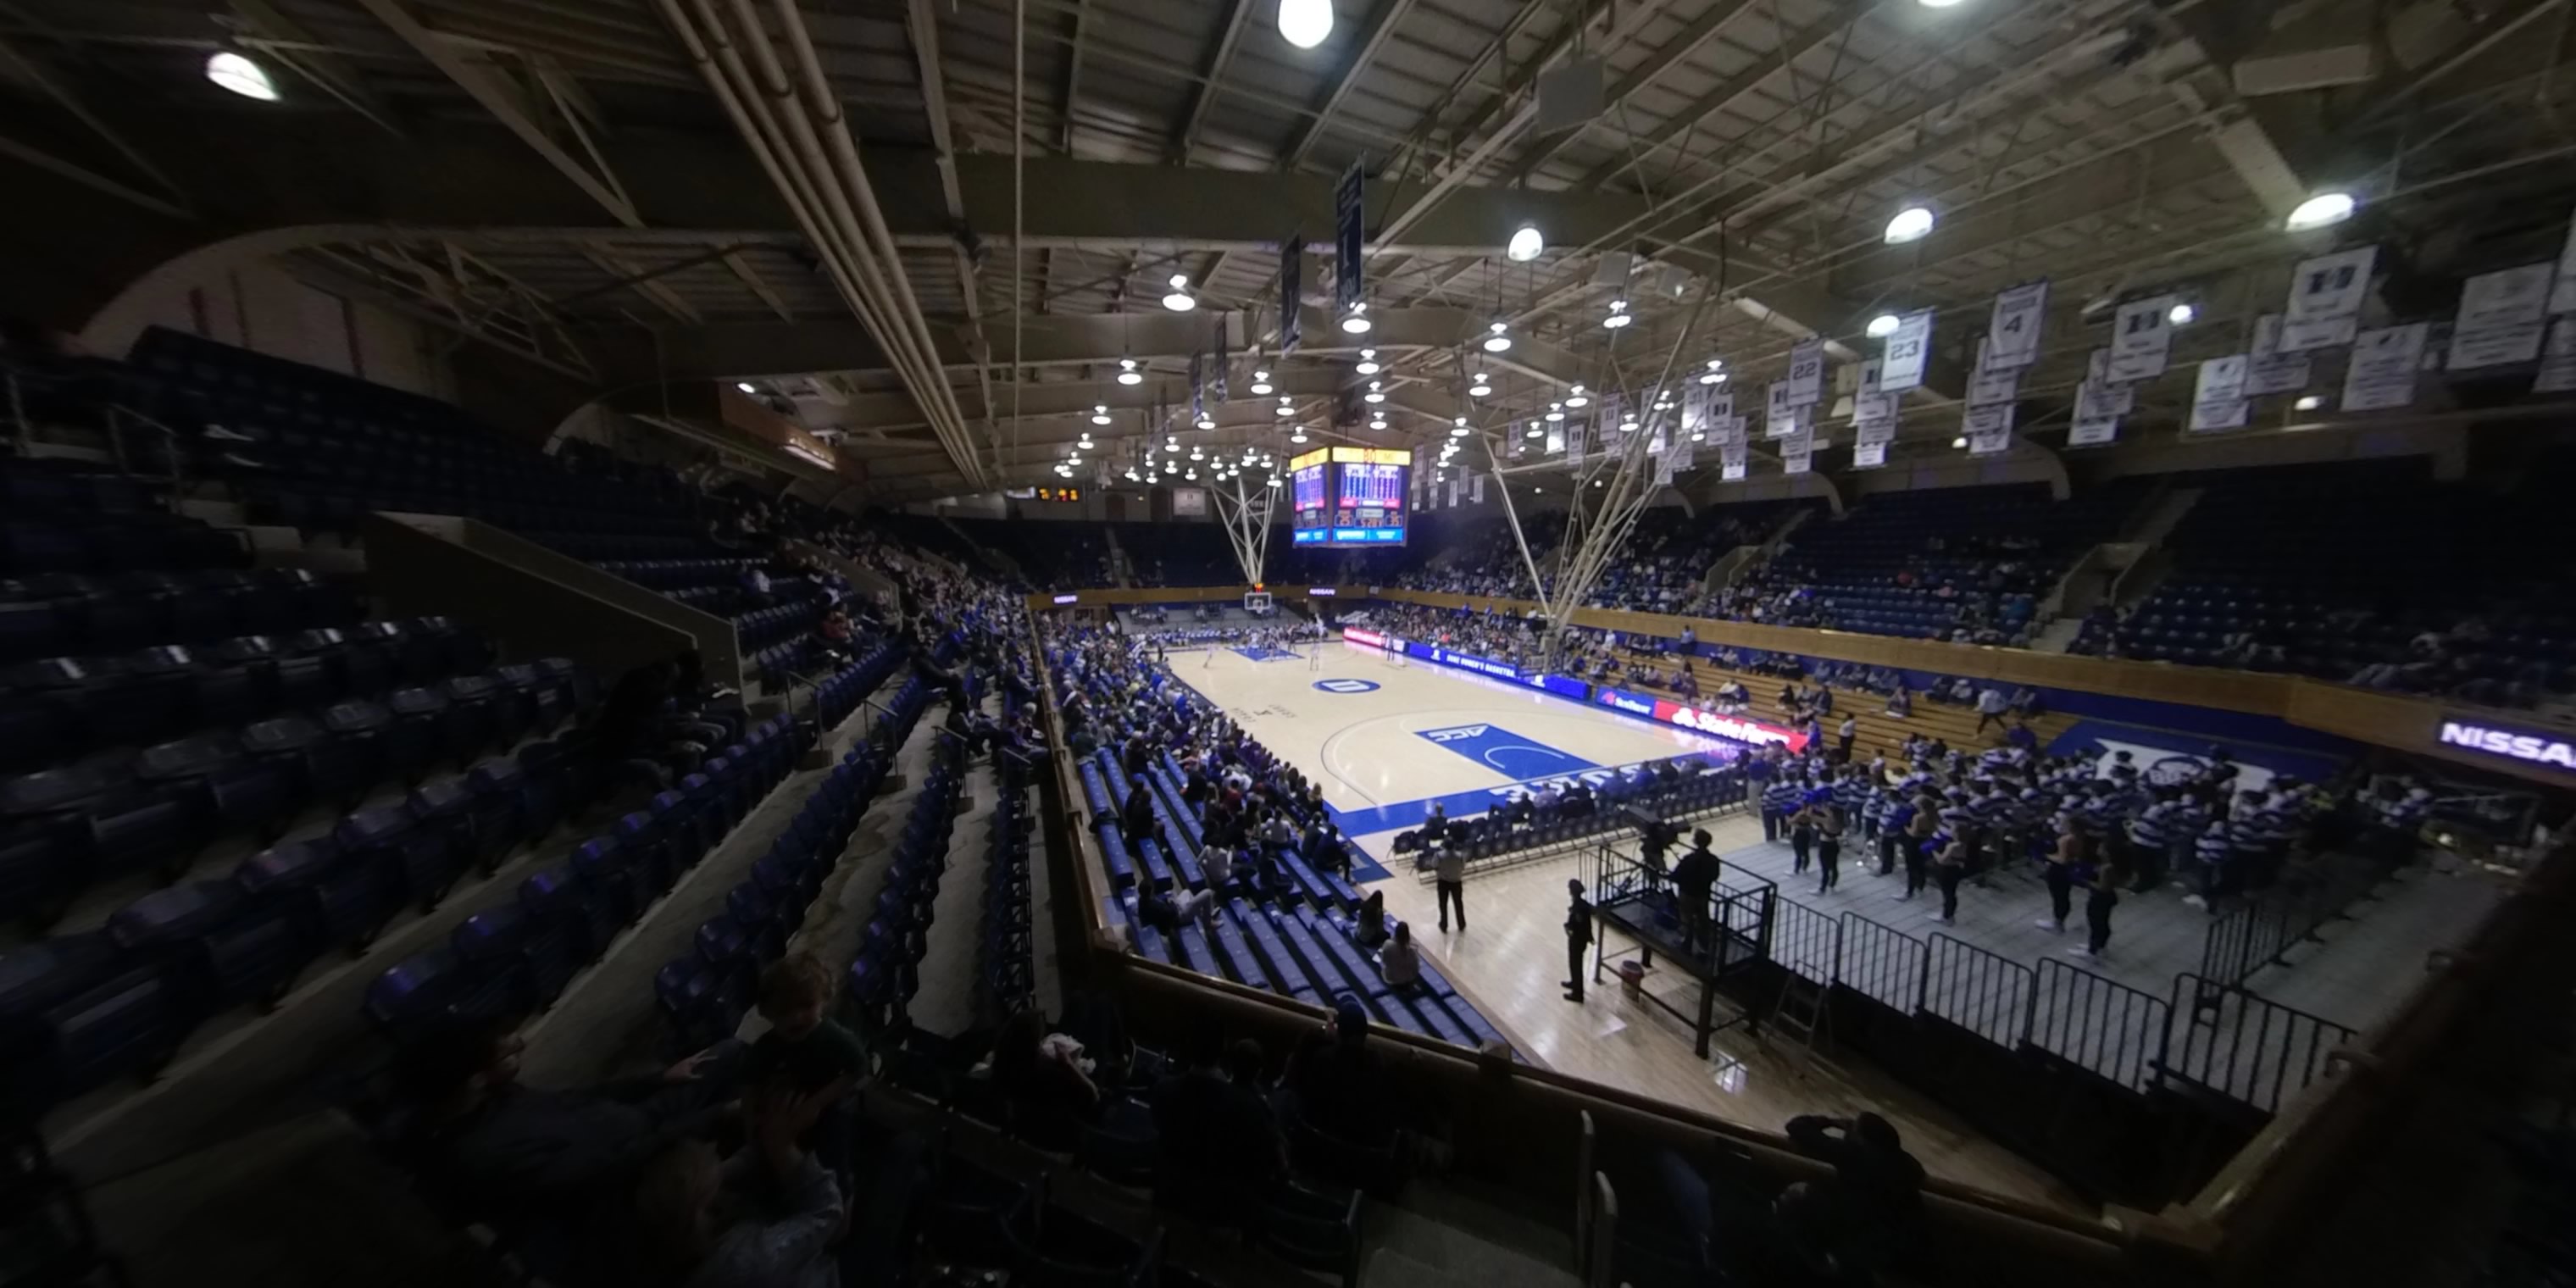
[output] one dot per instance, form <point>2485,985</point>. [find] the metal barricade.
<point>2249,1049</point>
<point>1977,990</point>
<point>1805,942</point>
<point>1880,963</point>
<point>2098,1024</point>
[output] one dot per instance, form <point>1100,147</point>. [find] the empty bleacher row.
<point>1293,940</point>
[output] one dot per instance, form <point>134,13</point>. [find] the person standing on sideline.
<point>1451,874</point>
<point>1578,937</point>
<point>1949,865</point>
<point>2105,879</point>
<point>1758,772</point>
<point>1693,878</point>
<point>1844,734</point>
<point>1829,845</point>
<point>1895,818</point>
<point>2058,869</point>
<point>1779,801</point>
<point>1802,834</point>
<point>1990,707</point>
<point>1923,839</point>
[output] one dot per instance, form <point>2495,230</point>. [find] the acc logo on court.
<point>1347,686</point>
<point>1461,733</point>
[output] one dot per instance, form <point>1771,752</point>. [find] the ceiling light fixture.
<point>1377,422</point>
<point>1099,415</point>
<point>1305,23</point>
<point>1368,363</point>
<point>1128,374</point>
<point>1714,376</point>
<point>1497,338</point>
<point>1526,244</point>
<point>745,386</point>
<point>2309,402</point>
<point>1937,4</point>
<point>2182,313</point>
<point>1556,411</point>
<point>241,76</point>
<point>1299,436</point>
<point>1960,441</point>
<point>1884,325</point>
<point>1575,397</point>
<point>1913,223</point>
<point>1261,382</point>
<point>1457,431</point>
<point>1085,444</point>
<point>1618,315</point>
<point>1206,421</point>
<point>1180,300</point>
<point>1480,387</point>
<point>1356,321</point>
<point>1535,430</point>
<point>1374,394</point>
<point>2332,207</point>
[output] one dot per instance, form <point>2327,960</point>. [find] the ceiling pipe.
<point>762,105</point>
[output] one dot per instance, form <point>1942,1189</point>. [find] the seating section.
<point>1052,555</point>
<point>2368,572</point>
<point>1964,564</point>
<point>1664,567</point>
<point>1178,554</point>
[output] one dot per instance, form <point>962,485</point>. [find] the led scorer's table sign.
<point>2530,748</point>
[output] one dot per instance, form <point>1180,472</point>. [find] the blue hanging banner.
<point>1218,393</point>
<point>1292,257</point>
<point>1347,238</point>
<point>1198,388</point>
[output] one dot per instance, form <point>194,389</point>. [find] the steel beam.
<point>1202,93</point>
<point>1680,45</point>
<point>1361,52</point>
<point>1843,14</point>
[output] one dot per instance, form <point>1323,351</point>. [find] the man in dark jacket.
<point>1876,1198</point>
<point>1578,937</point>
<point>1693,878</point>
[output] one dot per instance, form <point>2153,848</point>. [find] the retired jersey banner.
<point>1869,456</point>
<point>1907,353</point>
<point>1989,430</point>
<point>2557,359</point>
<point>1874,431</point>
<point>2268,370</point>
<point>2012,338</point>
<point>1806,373</point>
<point>2094,431</point>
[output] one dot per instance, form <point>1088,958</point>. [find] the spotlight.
<point>1356,321</point>
<point>1575,397</point>
<point>1180,300</point>
<point>1910,224</point>
<point>1305,23</point>
<point>1481,387</point>
<point>1128,374</point>
<point>2321,210</point>
<point>1368,363</point>
<point>1883,326</point>
<point>2181,314</point>
<point>1618,315</point>
<point>1497,338</point>
<point>1526,244</point>
<point>241,76</point>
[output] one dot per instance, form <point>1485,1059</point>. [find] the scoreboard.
<point>1350,496</point>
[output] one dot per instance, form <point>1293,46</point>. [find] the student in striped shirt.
<point>2214,851</point>
<point>1779,801</point>
<point>1895,814</point>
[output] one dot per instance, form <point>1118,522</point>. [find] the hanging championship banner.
<point>1989,430</point>
<point>1664,472</point>
<point>1695,408</point>
<point>1907,353</point>
<point>1721,402</point>
<point>1873,408</point>
<point>1657,443</point>
<point>2562,296</point>
<point>1476,490</point>
<point>1798,454</point>
<point>1727,429</point>
<point>1555,440</point>
<point>2141,338</point>
<point>1217,391</point>
<point>1731,472</point>
<point>2558,359</point>
<point>2012,337</point>
<point>2326,294</point>
<point>1989,386</point>
<point>1806,373</point>
<point>1198,390</point>
<point>2094,431</point>
<point>1292,267</point>
<point>2268,370</point>
<point>1574,444</point>
<point>2384,363</point>
<point>1869,456</point>
<point>2218,397</point>
<point>2097,401</point>
<point>1776,406</point>
<point>1684,457</point>
<point>1875,431</point>
<point>1453,494</point>
<point>1869,375</point>
<point>2500,317</point>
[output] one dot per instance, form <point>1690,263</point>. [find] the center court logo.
<point>1347,686</point>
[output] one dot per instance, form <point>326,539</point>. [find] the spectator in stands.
<point>1578,937</point>
<point>1213,1124</point>
<point>1875,1201</point>
<point>513,1154</point>
<point>1136,817</point>
<point>1845,735</point>
<point>2212,852</point>
<point>1399,963</point>
<point>1990,707</point>
<point>1216,863</point>
<point>1370,930</point>
<point>807,1052</point>
<point>707,1225</point>
<point>1900,701</point>
<point>1334,1082</point>
<point>1043,1073</point>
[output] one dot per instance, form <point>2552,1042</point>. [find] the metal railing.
<point>1982,992</point>
<point>2249,1049</point>
<point>2261,929</point>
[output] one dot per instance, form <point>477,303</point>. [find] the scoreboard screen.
<point>1351,496</point>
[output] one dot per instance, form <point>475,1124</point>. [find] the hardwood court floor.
<point>1511,963</point>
